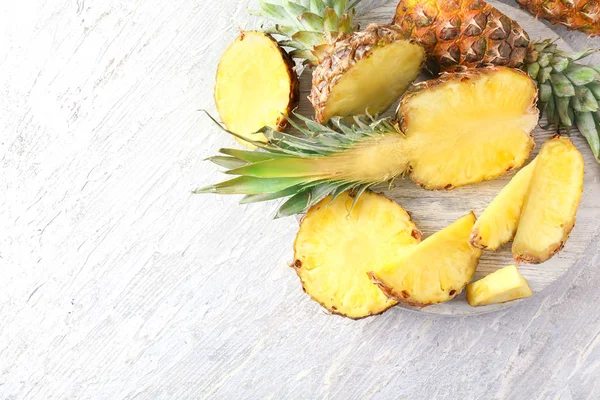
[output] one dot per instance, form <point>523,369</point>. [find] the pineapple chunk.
<point>434,271</point>
<point>338,244</point>
<point>551,203</point>
<point>498,223</point>
<point>256,85</point>
<point>469,127</point>
<point>503,285</point>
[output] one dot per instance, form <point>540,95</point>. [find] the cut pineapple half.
<point>366,73</point>
<point>434,271</point>
<point>338,244</point>
<point>503,285</point>
<point>470,126</point>
<point>256,85</point>
<point>498,223</point>
<point>551,203</point>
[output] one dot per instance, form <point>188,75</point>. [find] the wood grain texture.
<point>118,283</point>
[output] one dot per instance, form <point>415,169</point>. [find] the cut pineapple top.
<point>256,84</point>
<point>469,126</point>
<point>434,271</point>
<point>498,223</point>
<point>337,245</point>
<point>551,203</point>
<point>500,286</point>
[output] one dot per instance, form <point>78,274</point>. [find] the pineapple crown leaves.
<point>309,26</point>
<point>285,167</point>
<point>569,92</point>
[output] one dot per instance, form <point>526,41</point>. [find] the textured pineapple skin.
<point>331,249</point>
<point>280,123</point>
<point>498,223</point>
<point>435,270</point>
<point>518,157</point>
<point>505,284</point>
<point>581,15</point>
<point>551,203</point>
<point>469,33</point>
<point>343,55</point>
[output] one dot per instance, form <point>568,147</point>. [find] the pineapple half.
<point>551,202</point>
<point>505,284</point>
<point>434,271</point>
<point>340,240</point>
<point>498,223</point>
<point>459,129</point>
<point>356,72</point>
<point>256,86</point>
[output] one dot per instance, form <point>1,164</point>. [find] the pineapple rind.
<point>339,241</point>
<point>551,202</point>
<point>505,284</point>
<point>576,15</point>
<point>498,223</point>
<point>434,271</point>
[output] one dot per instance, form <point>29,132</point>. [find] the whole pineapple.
<point>581,15</point>
<point>472,33</point>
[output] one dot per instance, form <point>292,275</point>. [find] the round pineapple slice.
<point>256,86</point>
<point>338,244</point>
<point>365,72</point>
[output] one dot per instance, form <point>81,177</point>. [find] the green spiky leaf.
<point>581,75</point>
<point>589,129</point>
<point>561,85</point>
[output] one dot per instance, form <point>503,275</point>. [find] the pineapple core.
<point>503,285</point>
<point>551,203</point>
<point>434,271</point>
<point>254,85</point>
<point>498,223</point>
<point>474,127</point>
<point>338,244</point>
<point>377,81</point>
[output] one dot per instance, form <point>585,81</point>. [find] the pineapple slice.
<point>498,223</point>
<point>468,127</point>
<point>435,270</point>
<point>256,86</point>
<point>338,244</point>
<point>551,203</point>
<point>503,285</point>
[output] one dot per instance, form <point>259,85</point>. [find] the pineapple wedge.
<point>433,271</point>
<point>503,285</point>
<point>341,240</point>
<point>551,203</point>
<point>498,223</point>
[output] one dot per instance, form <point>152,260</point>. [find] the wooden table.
<point>116,282</point>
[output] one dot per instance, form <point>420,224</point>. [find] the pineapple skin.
<point>505,284</point>
<point>581,15</point>
<point>342,55</point>
<point>469,33</point>
<point>281,123</point>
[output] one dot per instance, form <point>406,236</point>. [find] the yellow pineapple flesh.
<point>256,86</point>
<point>551,203</point>
<point>505,284</point>
<point>469,127</point>
<point>498,223</point>
<point>435,270</point>
<point>340,241</point>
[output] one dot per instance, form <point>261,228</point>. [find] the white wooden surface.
<point>115,282</point>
